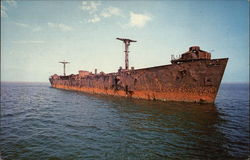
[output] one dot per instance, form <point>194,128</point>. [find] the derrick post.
<point>64,67</point>
<point>127,43</point>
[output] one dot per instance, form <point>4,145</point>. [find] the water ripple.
<point>39,122</point>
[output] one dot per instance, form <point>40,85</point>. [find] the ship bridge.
<point>194,53</point>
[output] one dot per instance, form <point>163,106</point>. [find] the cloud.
<point>138,20</point>
<point>12,3</point>
<point>60,26</point>
<point>35,29</point>
<point>22,25</point>
<point>28,42</point>
<point>95,19</point>
<point>108,12</point>
<point>3,11</point>
<point>90,6</point>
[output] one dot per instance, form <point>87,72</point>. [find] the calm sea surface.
<point>39,122</point>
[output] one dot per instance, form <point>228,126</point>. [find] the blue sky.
<point>36,35</point>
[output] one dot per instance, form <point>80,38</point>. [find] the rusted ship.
<point>192,77</point>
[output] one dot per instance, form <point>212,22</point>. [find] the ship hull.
<point>194,81</point>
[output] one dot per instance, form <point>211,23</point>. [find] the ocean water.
<point>39,122</point>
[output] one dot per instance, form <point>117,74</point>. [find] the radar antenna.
<point>127,43</point>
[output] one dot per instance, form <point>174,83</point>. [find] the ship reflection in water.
<point>168,130</point>
<point>38,122</point>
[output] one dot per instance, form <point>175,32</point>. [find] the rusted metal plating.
<point>194,77</point>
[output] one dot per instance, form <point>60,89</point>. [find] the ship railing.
<point>174,57</point>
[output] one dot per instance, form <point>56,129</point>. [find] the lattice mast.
<point>127,43</point>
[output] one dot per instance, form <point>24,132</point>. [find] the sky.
<point>37,34</point>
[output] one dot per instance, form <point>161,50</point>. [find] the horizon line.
<point>49,82</point>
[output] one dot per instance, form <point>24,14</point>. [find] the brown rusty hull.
<point>194,81</point>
